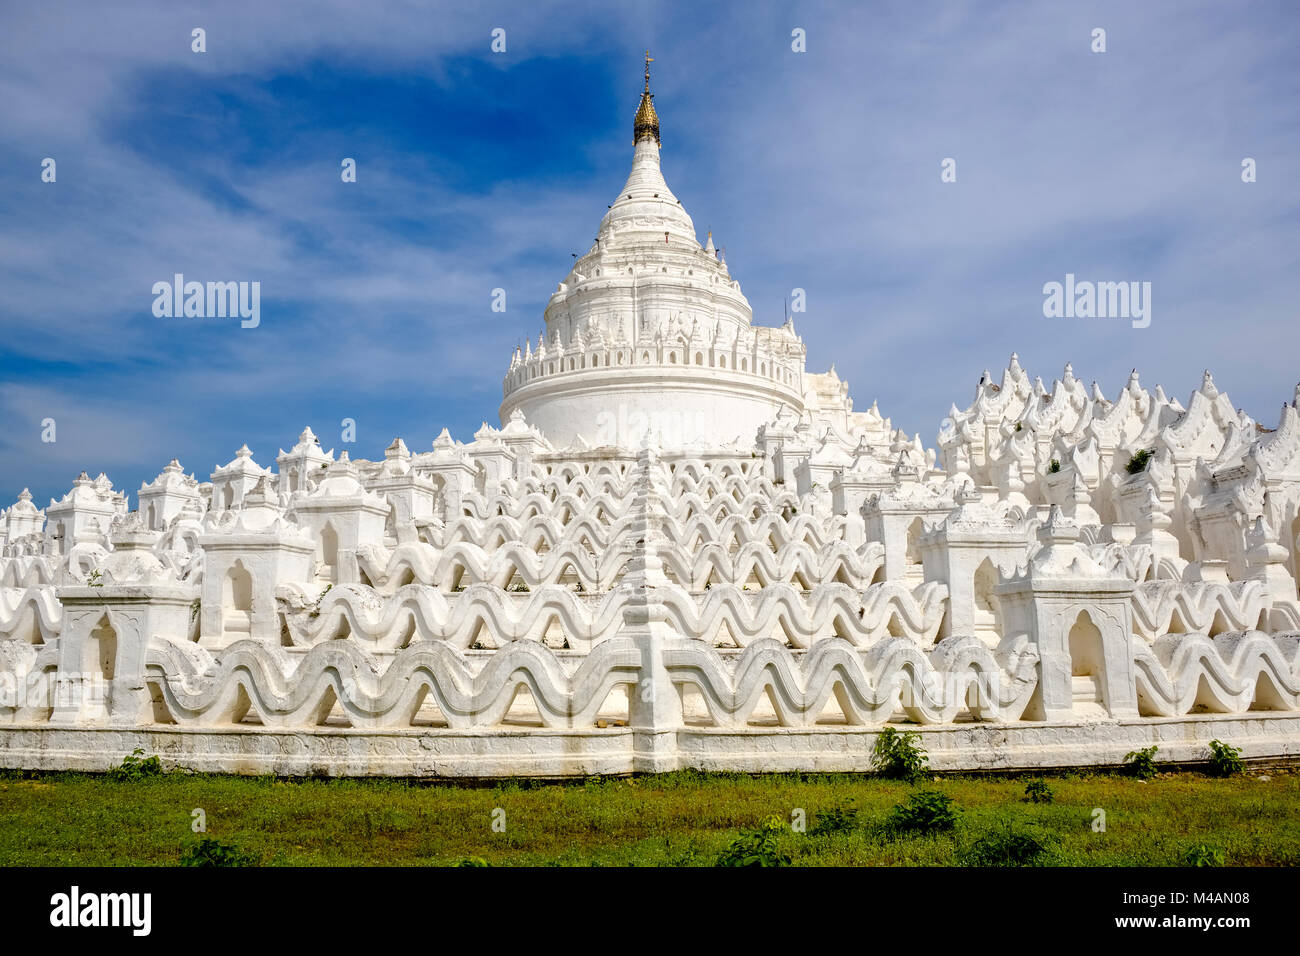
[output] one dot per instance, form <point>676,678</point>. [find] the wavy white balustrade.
<point>1161,607</point>
<point>1227,674</point>
<point>27,571</point>
<point>30,615</point>
<point>285,692</point>
<point>462,564</point>
<point>485,613</point>
<point>543,528</point>
<point>1179,673</point>
<point>570,505</point>
<point>960,676</point>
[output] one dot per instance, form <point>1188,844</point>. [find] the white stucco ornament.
<point>680,548</point>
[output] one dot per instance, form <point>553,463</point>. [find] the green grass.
<point>682,818</point>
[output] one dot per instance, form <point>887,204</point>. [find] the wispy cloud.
<point>818,170</point>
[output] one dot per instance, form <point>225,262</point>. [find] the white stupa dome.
<point>649,333</point>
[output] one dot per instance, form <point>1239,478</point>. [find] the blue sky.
<point>476,170</point>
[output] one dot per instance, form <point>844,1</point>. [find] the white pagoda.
<point>679,549</point>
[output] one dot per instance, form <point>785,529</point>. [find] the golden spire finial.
<point>646,122</point>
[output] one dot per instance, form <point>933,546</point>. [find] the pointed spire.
<point>708,247</point>
<point>646,123</point>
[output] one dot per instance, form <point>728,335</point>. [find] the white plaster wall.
<point>615,406</point>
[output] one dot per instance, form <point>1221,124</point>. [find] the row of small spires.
<point>1067,379</point>
<point>1015,372</point>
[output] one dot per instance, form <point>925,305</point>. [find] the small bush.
<point>1054,467</point>
<point>136,766</point>
<point>315,608</point>
<point>756,847</point>
<point>1138,463</point>
<point>1202,854</point>
<point>1037,791</point>
<point>897,756</point>
<point>473,861</point>
<point>835,820</point>
<point>209,852</point>
<point>1141,763</point>
<point>1006,848</point>
<point>925,812</point>
<point>1225,761</point>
